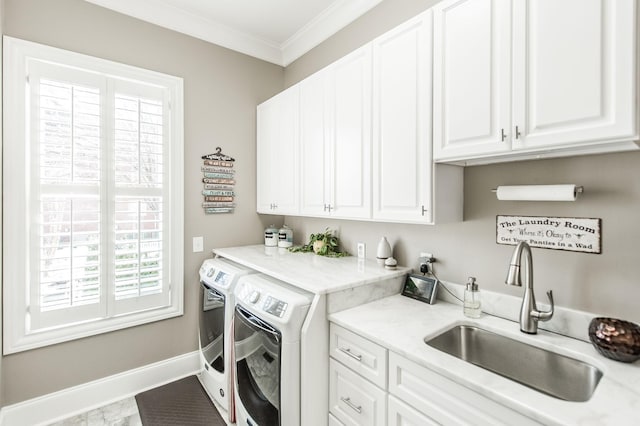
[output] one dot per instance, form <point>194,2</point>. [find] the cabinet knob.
<point>503,135</point>
<point>517,133</point>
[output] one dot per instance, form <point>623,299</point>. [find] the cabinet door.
<point>573,72</point>
<point>277,153</point>
<point>353,400</point>
<point>314,146</point>
<point>444,400</point>
<point>472,75</point>
<point>359,354</point>
<point>401,414</point>
<point>349,98</point>
<point>402,160</point>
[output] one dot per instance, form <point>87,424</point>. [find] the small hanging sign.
<point>557,233</point>
<point>219,180</point>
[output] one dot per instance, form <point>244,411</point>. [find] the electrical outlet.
<point>427,256</point>
<point>198,244</point>
<point>361,251</point>
<point>425,260</point>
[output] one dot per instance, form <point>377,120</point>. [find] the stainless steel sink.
<point>545,371</point>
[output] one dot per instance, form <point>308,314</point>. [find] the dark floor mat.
<point>180,403</point>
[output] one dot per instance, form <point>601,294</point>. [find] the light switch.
<point>198,244</point>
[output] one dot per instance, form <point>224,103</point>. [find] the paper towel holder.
<point>539,192</point>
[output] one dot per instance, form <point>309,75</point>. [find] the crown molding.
<point>330,21</point>
<point>340,14</point>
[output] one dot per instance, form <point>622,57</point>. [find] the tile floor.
<point>120,413</point>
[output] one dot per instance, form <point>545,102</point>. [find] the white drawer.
<point>333,421</point>
<point>361,355</point>
<point>353,400</point>
<point>445,401</point>
<point>401,414</point>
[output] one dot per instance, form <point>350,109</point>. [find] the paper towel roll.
<point>537,192</point>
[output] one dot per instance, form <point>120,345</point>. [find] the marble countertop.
<point>308,271</point>
<point>401,324</point>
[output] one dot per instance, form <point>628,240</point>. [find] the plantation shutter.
<point>93,176</point>
<point>98,246</point>
<point>67,254</point>
<point>141,273</point>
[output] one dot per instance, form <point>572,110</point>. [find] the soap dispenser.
<point>471,307</point>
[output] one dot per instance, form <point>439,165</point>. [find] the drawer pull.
<point>351,354</point>
<point>356,408</point>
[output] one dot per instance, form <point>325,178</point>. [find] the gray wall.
<point>605,284</point>
<point>222,88</point>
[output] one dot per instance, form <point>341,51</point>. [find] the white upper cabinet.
<point>472,72</point>
<point>364,149</point>
<point>350,105</point>
<point>335,138</point>
<point>277,153</point>
<point>574,74</point>
<point>525,79</point>
<point>314,146</point>
<point>402,122</point>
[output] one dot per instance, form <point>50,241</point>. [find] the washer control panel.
<point>274,306</point>
<point>265,296</point>
<point>253,297</point>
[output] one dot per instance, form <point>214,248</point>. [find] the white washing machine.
<point>218,278</point>
<point>268,320</point>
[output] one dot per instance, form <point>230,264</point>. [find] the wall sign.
<point>557,233</point>
<point>219,181</point>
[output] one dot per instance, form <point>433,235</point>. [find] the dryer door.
<point>257,353</point>
<point>212,327</point>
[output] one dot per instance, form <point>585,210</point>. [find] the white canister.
<point>384,249</point>
<point>271,236</point>
<point>285,236</point>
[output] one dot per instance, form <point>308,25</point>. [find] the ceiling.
<point>277,31</point>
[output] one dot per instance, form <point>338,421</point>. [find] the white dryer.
<point>268,320</point>
<point>218,278</point>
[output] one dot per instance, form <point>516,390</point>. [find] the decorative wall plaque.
<point>219,180</point>
<point>557,233</point>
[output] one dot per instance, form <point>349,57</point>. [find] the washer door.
<point>212,327</point>
<point>257,353</point>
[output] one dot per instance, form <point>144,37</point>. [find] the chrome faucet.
<point>529,313</point>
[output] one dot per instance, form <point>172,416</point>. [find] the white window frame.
<point>17,161</point>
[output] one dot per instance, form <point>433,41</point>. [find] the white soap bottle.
<point>471,306</point>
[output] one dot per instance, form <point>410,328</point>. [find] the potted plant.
<point>323,244</point>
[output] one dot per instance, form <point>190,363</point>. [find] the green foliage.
<point>323,244</point>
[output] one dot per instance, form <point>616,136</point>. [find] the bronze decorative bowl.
<point>615,339</point>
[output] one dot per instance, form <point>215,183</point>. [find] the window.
<point>93,210</point>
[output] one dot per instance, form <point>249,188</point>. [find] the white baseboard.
<point>79,399</point>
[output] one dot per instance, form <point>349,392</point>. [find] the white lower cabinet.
<point>445,401</point>
<point>372,386</point>
<point>333,421</point>
<point>357,379</point>
<point>353,399</point>
<point>360,355</point>
<point>401,414</point>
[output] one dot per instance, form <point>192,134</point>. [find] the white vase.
<point>384,249</point>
